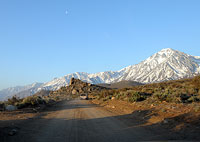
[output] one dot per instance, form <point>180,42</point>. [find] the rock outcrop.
<point>78,87</point>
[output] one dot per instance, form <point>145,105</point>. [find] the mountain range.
<point>167,64</point>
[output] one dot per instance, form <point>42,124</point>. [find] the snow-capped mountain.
<point>9,92</point>
<point>168,64</point>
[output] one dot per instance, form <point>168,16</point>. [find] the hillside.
<point>177,91</point>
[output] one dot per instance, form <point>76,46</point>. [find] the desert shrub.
<point>150,91</point>
<point>33,101</point>
<point>2,106</point>
<point>176,97</point>
<point>197,108</point>
<point>107,98</point>
<point>159,96</point>
<point>163,110</point>
<point>94,94</point>
<point>21,105</point>
<point>50,101</point>
<point>196,82</point>
<point>13,101</point>
<point>117,95</point>
<point>98,97</point>
<point>57,98</point>
<point>172,98</point>
<point>184,98</point>
<point>106,94</point>
<point>137,96</point>
<point>193,98</point>
<point>166,96</point>
<point>124,89</point>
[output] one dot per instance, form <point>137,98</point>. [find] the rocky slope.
<point>77,87</point>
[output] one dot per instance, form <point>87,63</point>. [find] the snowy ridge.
<point>9,92</point>
<point>168,64</point>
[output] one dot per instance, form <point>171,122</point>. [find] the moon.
<point>66,12</point>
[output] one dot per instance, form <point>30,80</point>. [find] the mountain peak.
<point>167,50</point>
<point>167,64</point>
<point>160,57</point>
<point>163,56</point>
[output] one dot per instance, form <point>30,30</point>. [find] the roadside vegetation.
<point>42,98</point>
<point>179,91</point>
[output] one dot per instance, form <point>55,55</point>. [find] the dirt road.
<point>78,121</point>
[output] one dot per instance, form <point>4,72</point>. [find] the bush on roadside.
<point>14,100</point>
<point>194,98</point>
<point>196,82</point>
<point>2,106</point>
<point>32,101</point>
<point>137,96</point>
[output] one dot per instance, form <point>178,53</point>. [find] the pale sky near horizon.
<point>44,39</point>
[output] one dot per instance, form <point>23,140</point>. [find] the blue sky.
<point>39,40</point>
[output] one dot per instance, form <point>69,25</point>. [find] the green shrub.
<point>117,96</point>
<point>194,98</point>
<point>166,96</point>
<point>137,96</point>
<point>197,108</point>
<point>33,101</point>
<point>13,101</point>
<point>196,82</point>
<point>2,106</point>
<point>160,96</point>
<point>184,98</point>
<point>21,105</point>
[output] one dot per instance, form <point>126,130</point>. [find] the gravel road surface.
<point>78,121</point>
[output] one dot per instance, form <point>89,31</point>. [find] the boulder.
<point>74,92</point>
<point>89,89</point>
<point>11,108</point>
<point>112,98</point>
<point>71,81</point>
<point>76,86</point>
